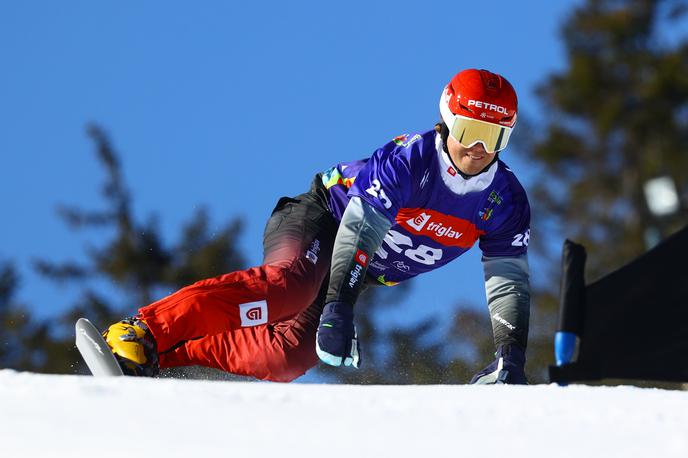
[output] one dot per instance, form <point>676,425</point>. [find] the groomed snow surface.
<point>81,416</point>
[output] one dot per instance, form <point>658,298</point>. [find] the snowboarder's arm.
<point>508,297</point>
<point>360,234</point>
<point>507,287</point>
<point>381,187</point>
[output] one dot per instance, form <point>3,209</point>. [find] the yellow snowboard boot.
<point>134,347</point>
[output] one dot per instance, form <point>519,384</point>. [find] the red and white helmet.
<point>479,106</point>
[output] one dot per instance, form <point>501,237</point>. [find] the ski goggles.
<point>470,132</point>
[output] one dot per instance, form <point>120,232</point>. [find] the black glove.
<point>507,368</point>
<point>336,341</point>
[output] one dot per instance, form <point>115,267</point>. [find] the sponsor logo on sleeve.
<point>253,313</point>
<point>362,258</point>
<point>499,318</point>
<point>494,199</point>
<point>403,140</point>
<point>355,275</point>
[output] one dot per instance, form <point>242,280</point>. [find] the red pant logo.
<point>253,313</point>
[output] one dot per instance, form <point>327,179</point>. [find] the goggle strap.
<point>499,139</point>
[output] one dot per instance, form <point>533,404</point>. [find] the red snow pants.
<point>261,321</point>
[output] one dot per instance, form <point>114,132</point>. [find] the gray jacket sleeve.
<point>360,235</point>
<point>507,286</point>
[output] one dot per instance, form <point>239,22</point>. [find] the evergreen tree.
<point>25,343</point>
<point>616,117</point>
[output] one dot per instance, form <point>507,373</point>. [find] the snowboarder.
<point>417,203</point>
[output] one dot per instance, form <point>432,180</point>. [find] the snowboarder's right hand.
<point>336,341</point>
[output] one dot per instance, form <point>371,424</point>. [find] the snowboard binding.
<point>134,347</point>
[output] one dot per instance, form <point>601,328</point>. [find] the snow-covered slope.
<point>75,416</point>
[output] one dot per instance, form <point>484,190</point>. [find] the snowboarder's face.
<point>469,160</point>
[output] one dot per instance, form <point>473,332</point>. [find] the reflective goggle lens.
<point>469,132</point>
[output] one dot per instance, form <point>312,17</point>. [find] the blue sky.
<point>234,104</point>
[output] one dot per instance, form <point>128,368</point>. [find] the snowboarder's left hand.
<point>336,341</point>
<point>507,368</point>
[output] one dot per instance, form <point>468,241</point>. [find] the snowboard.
<point>95,351</point>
